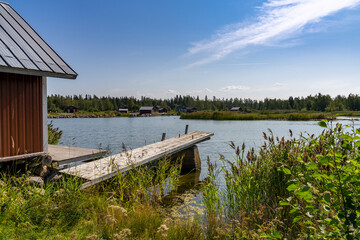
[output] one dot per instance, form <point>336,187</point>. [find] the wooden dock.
<point>64,155</point>
<point>105,168</point>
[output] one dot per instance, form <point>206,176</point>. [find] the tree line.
<point>93,103</point>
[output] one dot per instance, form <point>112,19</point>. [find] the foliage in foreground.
<point>54,134</point>
<point>307,188</point>
<point>127,207</point>
<point>301,188</point>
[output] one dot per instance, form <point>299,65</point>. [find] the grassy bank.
<point>268,115</point>
<point>300,188</point>
<point>256,116</point>
<point>306,188</point>
<point>125,207</point>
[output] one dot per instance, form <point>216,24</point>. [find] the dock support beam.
<point>191,159</point>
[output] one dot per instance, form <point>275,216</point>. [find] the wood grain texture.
<point>21,130</point>
<point>105,168</point>
<point>68,154</point>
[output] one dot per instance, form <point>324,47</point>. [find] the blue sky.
<point>246,49</point>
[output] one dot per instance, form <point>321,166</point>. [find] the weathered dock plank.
<point>64,155</point>
<point>105,168</point>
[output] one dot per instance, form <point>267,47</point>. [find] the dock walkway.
<point>105,168</point>
<point>64,155</point>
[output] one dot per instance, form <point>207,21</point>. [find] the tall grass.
<point>256,116</point>
<point>127,206</point>
<point>301,188</point>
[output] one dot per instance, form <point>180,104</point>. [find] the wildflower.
<point>92,237</point>
<point>122,234</point>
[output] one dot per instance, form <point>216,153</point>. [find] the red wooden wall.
<point>21,124</point>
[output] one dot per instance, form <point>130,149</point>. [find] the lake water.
<point>137,132</point>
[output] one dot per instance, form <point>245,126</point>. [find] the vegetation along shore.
<point>269,115</point>
<point>316,103</point>
<point>298,188</point>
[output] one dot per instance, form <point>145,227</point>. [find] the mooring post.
<point>186,129</point>
<point>163,137</point>
<point>190,159</point>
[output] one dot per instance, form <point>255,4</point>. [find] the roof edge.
<point>5,3</point>
<point>36,73</point>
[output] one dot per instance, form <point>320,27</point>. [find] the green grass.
<point>298,188</point>
<point>256,116</point>
<point>128,204</point>
<point>304,188</point>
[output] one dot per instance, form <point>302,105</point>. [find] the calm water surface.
<point>137,132</point>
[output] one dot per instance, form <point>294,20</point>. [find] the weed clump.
<point>125,207</point>
<point>305,188</point>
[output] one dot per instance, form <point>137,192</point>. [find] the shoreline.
<point>74,115</point>
<point>223,116</point>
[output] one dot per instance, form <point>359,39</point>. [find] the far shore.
<point>273,115</point>
<point>112,114</point>
<point>223,115</point>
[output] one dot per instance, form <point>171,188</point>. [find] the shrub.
<point>307,188</point>
<point>54,134</point>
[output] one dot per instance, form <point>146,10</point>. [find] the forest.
<point>318,102</point>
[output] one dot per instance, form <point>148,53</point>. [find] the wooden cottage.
<point>146,110</point>
<point>26,60</point>
<point>163,110</point>
<point>123,110</point>
<point>72,109</point>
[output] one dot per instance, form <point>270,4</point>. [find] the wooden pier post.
<point>186,129</point>
<point>191,159</point>
<point>163,136</point>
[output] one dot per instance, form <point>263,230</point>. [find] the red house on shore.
<point>146,110</point>
<point>26,60</point>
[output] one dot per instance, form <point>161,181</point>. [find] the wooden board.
<point>67,154</point>
<point>105,168</point>
<point>22,157</point>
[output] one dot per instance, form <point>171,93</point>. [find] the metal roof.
<point>146,108</point>
<point>23,51</point>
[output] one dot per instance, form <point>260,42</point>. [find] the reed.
<point>256,116</point>
<point>299,188</point>
<point>127,206</point>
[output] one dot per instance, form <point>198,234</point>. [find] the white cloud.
<point>173,91</point>
<point>279,20</point>
<point>279,84</point>
<point>234,88</point>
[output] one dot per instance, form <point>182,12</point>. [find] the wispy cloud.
<point>280,84</point>
<point>234,88</point>
<point>171,91</point>
<point>278,20</point>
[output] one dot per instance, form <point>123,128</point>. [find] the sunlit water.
<point>137,132</point>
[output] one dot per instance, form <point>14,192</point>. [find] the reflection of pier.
<point>105,168</point>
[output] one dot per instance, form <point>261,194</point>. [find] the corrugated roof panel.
<point>26,49</point>
<point>16,50</point>
<point>2,62</point>
<point>55,67</point>
<point>27,46</point>
<point>9,57</point>
<point>38,39</point>
<point>146,108</point>
<point>29,41</point>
